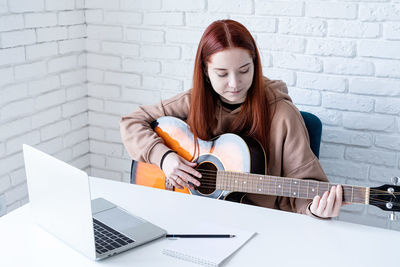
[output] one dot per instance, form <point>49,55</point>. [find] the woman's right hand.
<point>179,172</point>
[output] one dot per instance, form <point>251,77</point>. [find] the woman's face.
<point>231,74</point>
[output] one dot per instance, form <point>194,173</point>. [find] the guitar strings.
<point>268,183</point>
<point>212,180</point>
<point>372,191</point>
<point>211,184</point>
<point>301,191</point>
<point>250,174</point>
<point>268,176</point>
<point>354,199</point>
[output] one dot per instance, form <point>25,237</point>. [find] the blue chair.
<point>314,128</point>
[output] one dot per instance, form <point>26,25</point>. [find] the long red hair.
<point>254,119</point>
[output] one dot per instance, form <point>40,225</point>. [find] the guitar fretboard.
<point>287,187</point>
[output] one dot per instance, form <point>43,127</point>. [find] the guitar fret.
<point>247,184</point>
<point>275,193</point>
<point>302,188</point>
<point>348,194</point>
<point>284,186</point>
<point>250,184</point>
<point>224,182</point>
<point>359,195</point>
<point>236,184</point>
<point>231,181</point>
<point>288,188</point>
<point>276,189</point>
<point>244,184</point>
<point>295,193</point>
<point>352,194</point>
<point>313,188</point>
<point>228,181</point>
<point>240,184</point>
<point>263,183</point>
<point>260,188</point>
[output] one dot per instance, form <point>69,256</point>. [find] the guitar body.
<point>227,152</point>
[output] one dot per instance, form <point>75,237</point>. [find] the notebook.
<point>208,251</point>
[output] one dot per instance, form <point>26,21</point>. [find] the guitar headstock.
<point>386,197</point>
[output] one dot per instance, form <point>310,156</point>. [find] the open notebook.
<point>208,251</point>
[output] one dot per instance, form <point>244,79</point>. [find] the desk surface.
<point>283,239</point>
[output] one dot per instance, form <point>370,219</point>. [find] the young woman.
<point>230,94</point>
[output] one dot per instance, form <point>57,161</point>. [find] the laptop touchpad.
<point>118,219</point>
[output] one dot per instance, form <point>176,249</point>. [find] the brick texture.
<point>36,108</point>
<point>69,69</point>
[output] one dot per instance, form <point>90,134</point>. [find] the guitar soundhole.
<point>208,178</point>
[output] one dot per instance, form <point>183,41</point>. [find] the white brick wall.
<point>339,59</point>
<point>42,102</point>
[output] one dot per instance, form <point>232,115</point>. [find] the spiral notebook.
<point>208,251</point>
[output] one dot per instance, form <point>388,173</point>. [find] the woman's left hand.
<point>329,204</point>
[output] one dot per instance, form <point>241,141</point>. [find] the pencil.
<point>199,236</point>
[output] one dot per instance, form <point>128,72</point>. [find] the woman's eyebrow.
<point>239,67</point>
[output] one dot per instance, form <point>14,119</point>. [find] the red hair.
<point>254,119</point>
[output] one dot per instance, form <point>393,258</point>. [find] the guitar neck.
<point>286,187</point>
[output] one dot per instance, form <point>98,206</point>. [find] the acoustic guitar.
<point>232,165</point>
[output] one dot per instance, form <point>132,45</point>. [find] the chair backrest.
<point>314,128</point>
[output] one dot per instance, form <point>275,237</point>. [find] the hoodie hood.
<point>276,90</point>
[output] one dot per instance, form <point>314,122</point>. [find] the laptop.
<point>61,204</point>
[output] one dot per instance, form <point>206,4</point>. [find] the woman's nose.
<point>233,81</point>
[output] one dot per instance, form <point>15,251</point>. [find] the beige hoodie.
<point>290,152</point>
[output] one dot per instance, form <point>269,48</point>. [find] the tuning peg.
<point>393,216</point>
<point>396,180</point>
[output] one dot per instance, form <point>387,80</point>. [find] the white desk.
<point>283,239</point>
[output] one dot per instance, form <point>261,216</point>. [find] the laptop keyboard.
<point>108,239</point>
